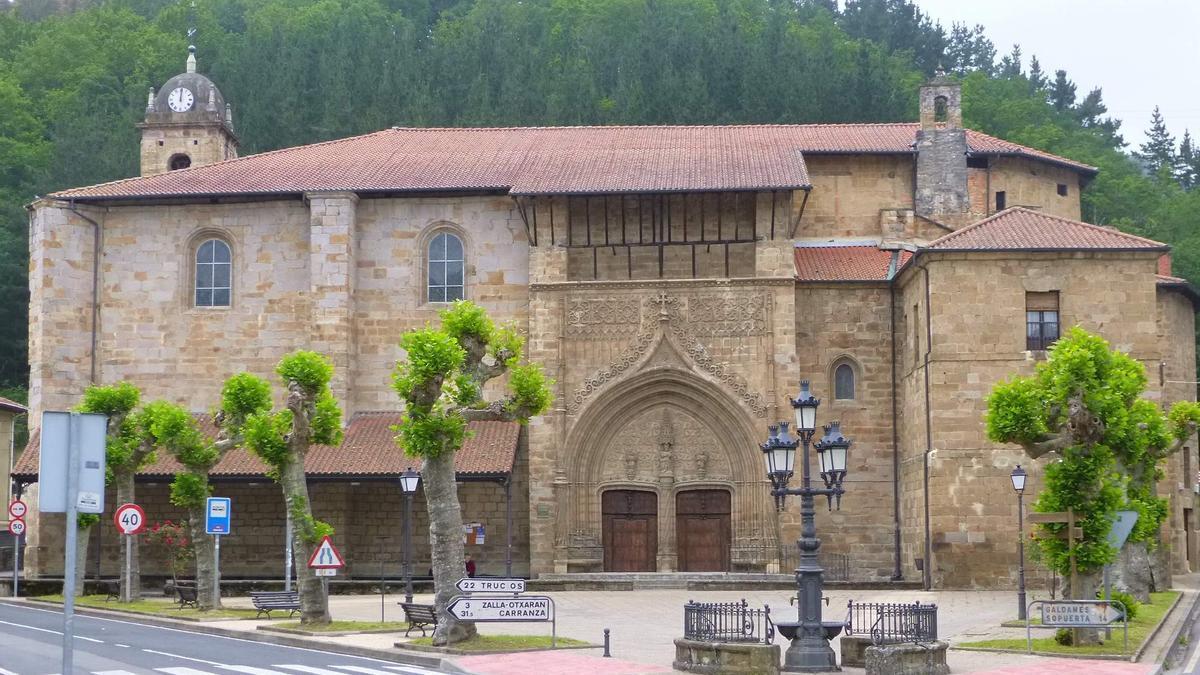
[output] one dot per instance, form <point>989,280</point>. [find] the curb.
<point>451,651</point>
<point>404,658</point>
<point>1137,653</point>
<point>1173,642</point>
<point>328,633</point>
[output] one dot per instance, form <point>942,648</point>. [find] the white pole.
<point>74,431</point>
<point>128,594</point>
<point>16,567</point>
<point>287,555</point>
<point>217,572</point>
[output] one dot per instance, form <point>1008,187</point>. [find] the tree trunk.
<point>206,559</point>
<point>1088,585</point>
<point>314,603</point>
<point>81,551</point>
<point>445,544</point>
<point>126,495</point>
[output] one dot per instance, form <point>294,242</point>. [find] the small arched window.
<point>179,162</point>
<point>214,274</point>
<point>843,382</point>
<point>447,265</point>
<point>941,110</point>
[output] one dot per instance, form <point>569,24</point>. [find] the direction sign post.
<point>16,527</point>
<point>217,516</point>
<point>506,608</point>
<point>130,520</point>
<point>490,585</point>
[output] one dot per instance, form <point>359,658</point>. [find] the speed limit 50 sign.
<point>130,519</point>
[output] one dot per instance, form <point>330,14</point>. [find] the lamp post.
<point>409,480</point>
<point>809,651</point>
<point>1018,483</point>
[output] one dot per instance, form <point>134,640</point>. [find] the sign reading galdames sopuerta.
<point>1068,613</point>
<point>529,608</point>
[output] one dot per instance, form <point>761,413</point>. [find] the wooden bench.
<point>185,596</point>
<point>275,601</point>
<point>418,616</point>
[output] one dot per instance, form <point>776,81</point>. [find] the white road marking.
<point>366,671</point>
<point>308,669</point>
<point>21,625</point>
<point>251,670</point>
<point>113,672</point>
<point>183,671</point>
<point>185,658</point>
<point>118,644</point>
<point>413,670</point>
<point>6,672</point>
<point>1193,662</point>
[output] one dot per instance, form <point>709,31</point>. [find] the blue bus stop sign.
<point>217,515</point>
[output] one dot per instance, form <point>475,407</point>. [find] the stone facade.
<point>673,327</point>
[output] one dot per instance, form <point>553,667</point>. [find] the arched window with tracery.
<point>843,382</point>
<point>214,274</point>
<point>447,268</point>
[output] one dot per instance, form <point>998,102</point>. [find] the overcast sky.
<point>1142,53</point>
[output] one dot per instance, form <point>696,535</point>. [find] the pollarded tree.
<point>126,452</point>
<point>441,381</point>
<point>176,431</point>
<point>282,440</point>
<point>1084,405</point>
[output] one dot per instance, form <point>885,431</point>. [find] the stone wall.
<point>850,191</point>
<point>1174,376</point>
<point>204,144</point>
<point>1026,182</point>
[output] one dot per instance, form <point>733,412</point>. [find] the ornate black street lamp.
<point>1018,481</point>
<point>809,651</point>
<point>409,480</point>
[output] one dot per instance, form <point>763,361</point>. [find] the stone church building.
<point>676,283</point>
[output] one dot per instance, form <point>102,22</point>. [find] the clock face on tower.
<point>181,99</point>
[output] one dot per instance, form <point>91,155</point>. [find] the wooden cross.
<point>1071,534</point>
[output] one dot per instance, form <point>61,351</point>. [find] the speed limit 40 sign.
<point>130,519</point>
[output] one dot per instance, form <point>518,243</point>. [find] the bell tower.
<point>941,193</point>
<point>188,123</point>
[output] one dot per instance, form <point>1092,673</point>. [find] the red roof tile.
<point>368,449</point>
<point>847,263</point>
<point>12,406</point>
<point>543,160</point>
<point>1024,229</point>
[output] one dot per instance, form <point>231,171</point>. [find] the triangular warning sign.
<point>326,557</point>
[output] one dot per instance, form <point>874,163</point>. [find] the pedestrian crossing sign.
<point>326,556</point>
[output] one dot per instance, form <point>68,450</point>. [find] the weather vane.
<point>191,31</point>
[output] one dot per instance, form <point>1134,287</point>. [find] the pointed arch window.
<point>843,382</point>
<point>447,267</point>
<point>214,274</point>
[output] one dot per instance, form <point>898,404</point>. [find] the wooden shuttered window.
<point>1041,320</point>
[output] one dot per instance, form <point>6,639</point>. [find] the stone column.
<point>333,245</point>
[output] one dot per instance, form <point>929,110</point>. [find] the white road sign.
<point>17,509</point>
<point>326,557</point>
<point>1077,613</point>
<point>130,519</point>
<point>528,608</point>
<point>321,572</point>
<point>497,585</point>
<point>52,467</point>
<point>16,527</point>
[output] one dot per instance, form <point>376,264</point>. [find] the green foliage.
<point>112,400</point>
<point>506,344</point>
<point>1064,637</point>
<point>190,490</point>
<point>85,520</point>
<point>1184,417</point>
<point>173,543</point>
<point>244,395</point>
<point>1098,477</point>
<point>429,434</point>
<point>311,530</point>
<point>326,422</point>
<point>1130,603</point>
<point>266,436</point>
<point>465,319</point>
<point>310,370</point>
<point>432,355</point>
<point>531,391</point>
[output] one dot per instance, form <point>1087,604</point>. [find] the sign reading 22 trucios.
<point>527,608</point>
<point>1068,613</point>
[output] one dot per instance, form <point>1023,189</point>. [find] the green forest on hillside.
<point>74,78</point>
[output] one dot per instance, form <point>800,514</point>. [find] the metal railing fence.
<point>727,622</point>
<point>892,623</point>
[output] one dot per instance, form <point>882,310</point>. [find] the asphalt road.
<point>31,644</point>
<point>1184,657</point>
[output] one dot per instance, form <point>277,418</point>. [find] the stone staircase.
<point>712,581</point>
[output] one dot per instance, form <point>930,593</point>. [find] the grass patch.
<point>488,643</point>
<point>1140,628</point>
<point>347,626</point>
<point>164,607</point>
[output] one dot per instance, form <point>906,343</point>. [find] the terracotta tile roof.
<point>543,160</point>
<point>847,263</point>
<point>1024,229</point>
<point>368,449</point>
<point>12,406</point>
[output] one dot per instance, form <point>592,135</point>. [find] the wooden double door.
<point>703,531</point>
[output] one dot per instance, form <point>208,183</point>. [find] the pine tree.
<point>1187,163</point>
<point>1037,79</point>
<point>1062,92</point>
<point>1010,65</point>
<point>1158,152</point>
<point>1090,113</point>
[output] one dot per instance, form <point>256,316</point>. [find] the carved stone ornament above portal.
<point>670,325</point>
